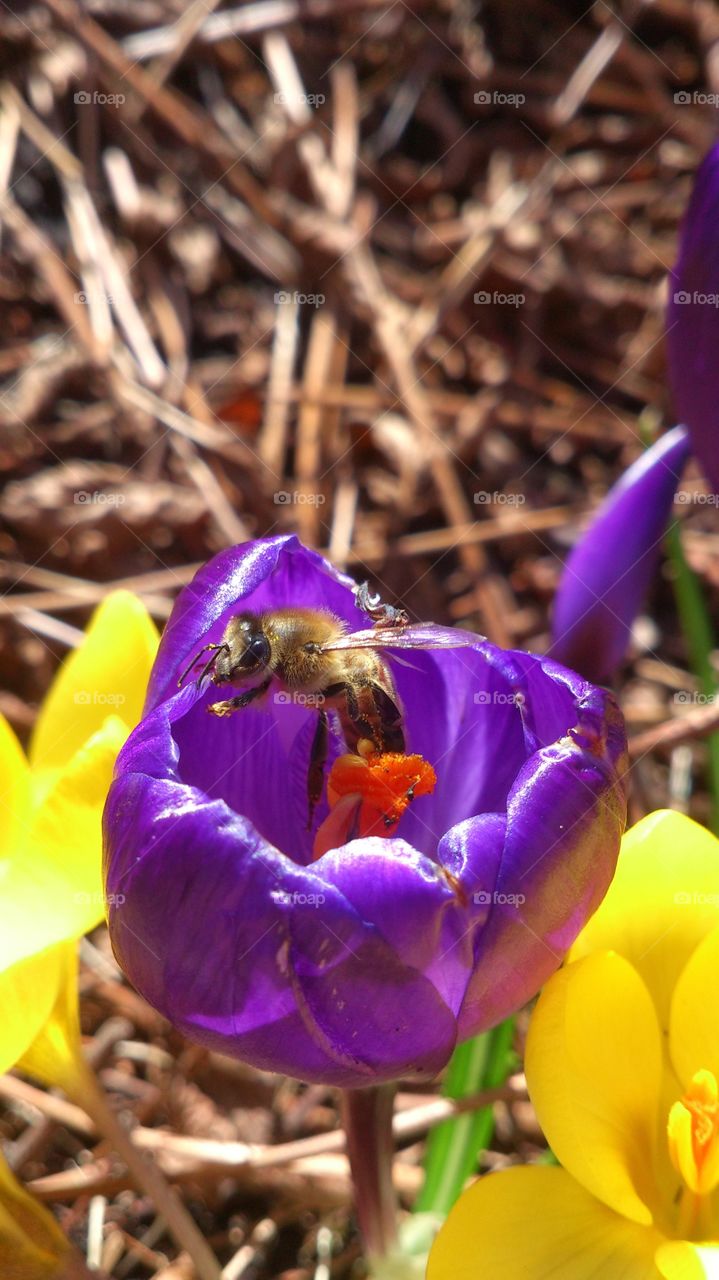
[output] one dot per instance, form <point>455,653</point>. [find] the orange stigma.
<point>369,792</point>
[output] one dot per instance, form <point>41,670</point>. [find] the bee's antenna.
<point>208,665</point>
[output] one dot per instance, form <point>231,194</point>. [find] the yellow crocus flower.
<point>50,883</point>
<point>622,1065</point>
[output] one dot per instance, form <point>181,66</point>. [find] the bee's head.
<point>245,650</point>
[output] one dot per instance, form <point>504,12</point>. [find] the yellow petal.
<point>28,993</point>
<point>537,1223</point>
<point>694,1022</point>
<point>663,900</point>
<point>107,674</point>
<point>55,1054</point>
<point>680,1260</point>
<point>32,1246</point>
<point>52,888</point>
<point>593,1064</point>
<point>14,788</point>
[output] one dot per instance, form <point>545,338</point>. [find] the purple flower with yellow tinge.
<point>352,958</point>
<point>609,571</point>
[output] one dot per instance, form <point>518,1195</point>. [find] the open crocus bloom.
<point>622,1065</point>
<point>372,960</point>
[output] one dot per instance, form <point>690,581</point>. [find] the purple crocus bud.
<point>693,319</point>
<point>608,572</point>
<point>370,961</point>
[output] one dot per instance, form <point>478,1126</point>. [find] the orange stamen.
<point>369,792</point>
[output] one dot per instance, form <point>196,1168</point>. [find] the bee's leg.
<point>389,717</point>
<point>240,700</point>
<point>375,715</point>
<point>318,760</point>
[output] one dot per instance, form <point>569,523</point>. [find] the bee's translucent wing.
<point>423,635</point>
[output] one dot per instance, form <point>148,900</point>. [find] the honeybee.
<point>311,652</point>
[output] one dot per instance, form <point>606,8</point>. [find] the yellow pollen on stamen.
<point>693,1134</point>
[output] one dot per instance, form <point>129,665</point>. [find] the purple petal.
<point>366,963</point>
<point>562,815</point>
<point>609,571</point>
<point>693,319</point>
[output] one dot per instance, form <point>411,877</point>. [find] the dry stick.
<point>48,601</point>
<point>583,77</point>
<point>344,512</point>
<point>231,528</point>
<point>407,1125</point>
<point>272,439</point>
<point>671,733</point>
<point>9,136</point>
<point>73,593</point>
<point>344,146</point>
<point>182,33</point>
<point>88,252</point>
<point>388,324</point>
<point>451,403</point>
<point>326,357</point>
<point>249,19</point>
<point>196,131</point>
<point>93,246</point>
<point>316,1179</point>
<point>148,1176</point>
<point>52,270</point>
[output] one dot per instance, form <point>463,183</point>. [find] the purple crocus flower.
<point>693,319</point>
<point>609,571</point>
<point>371,961</point>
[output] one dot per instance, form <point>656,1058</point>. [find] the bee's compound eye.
<point>257,653</point>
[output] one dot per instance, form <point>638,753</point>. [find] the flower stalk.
<point>367,1119</point>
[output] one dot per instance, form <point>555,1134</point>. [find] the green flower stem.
<point>454,1147</point>
<point>700,639</point>
<point>367,1120</point>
